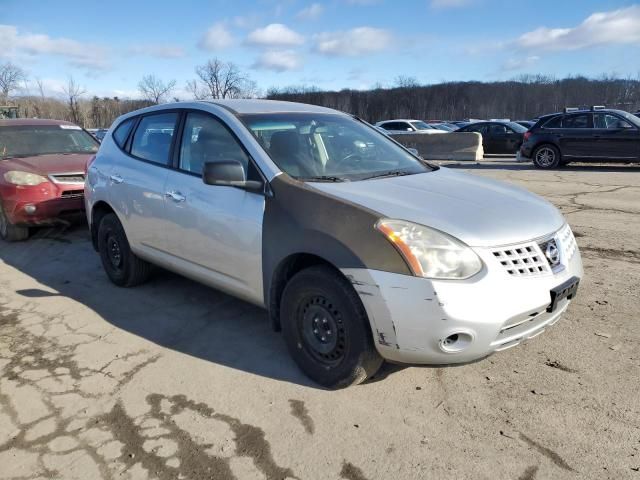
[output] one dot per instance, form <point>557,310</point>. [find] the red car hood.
<point>48,164</point>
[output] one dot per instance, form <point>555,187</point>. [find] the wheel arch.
<point>98,212</point>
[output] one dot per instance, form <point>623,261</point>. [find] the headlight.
<point>24,178</point>
<point>430,253</point>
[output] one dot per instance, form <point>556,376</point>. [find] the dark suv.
<point>596,135</point>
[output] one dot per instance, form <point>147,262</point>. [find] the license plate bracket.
<point>567,290</point>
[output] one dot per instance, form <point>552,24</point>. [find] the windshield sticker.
<point>70,127</point>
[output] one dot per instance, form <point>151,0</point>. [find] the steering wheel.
<point>352,157</point>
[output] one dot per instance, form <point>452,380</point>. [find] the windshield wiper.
<point>322,178</point>
<point>390,173</point>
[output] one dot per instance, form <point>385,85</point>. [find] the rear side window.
<point>498,129</point>
<point>555,122</point>
<point>122,132</point>
<point>397,126</point>
<point>606,120</point>
<point>576,121</point>
<point>152,139</point>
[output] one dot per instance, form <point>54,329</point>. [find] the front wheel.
<point>327,330</point>
<point>10,232</point>
<point>546,157</point>
<point>123,267</point>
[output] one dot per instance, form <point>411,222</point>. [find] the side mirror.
<point>228,173</point>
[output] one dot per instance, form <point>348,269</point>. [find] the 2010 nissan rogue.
<point>359,250</point>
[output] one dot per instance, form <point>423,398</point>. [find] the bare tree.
<point>10,78</point>
<point>74,92</point>
<point>154,89</point>
<point>218,79</point>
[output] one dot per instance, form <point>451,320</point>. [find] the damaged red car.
<point>42,169</point>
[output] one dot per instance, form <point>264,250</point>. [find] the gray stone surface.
<point>174,380</point>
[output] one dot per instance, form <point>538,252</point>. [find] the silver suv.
<point>359,250</point>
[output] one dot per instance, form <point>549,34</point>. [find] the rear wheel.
<point>10,232</point>
<point>546,157</point>
<point>123,267</point>
<point>327,330</point>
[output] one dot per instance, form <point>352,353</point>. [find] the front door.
<point>214,232</point>
<point>615,138</point>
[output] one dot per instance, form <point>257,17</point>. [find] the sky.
<point>107,46</point>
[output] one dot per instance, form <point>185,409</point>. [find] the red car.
<point>42,170</point>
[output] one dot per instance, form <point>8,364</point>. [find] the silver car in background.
<point>359,250</point>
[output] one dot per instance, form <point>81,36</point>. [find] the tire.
<point>122,266</point>
<point>10,232</point>
<point>326,328</point>
<point>547,157</point>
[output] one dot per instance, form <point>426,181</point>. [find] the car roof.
<point>402,120</point>
<point>20,122</point>
<point>585,110</point>
<point>249,106</point>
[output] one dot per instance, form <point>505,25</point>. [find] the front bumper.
<point>44,204</point>
<point>412,318</point>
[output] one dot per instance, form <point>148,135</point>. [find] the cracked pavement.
<point>173,380</point>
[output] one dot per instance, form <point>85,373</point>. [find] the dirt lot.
<point>173,380</point>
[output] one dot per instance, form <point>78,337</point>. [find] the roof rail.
<point>571,109</point>
<point>598,107</point>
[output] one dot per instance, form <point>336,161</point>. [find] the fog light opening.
<point>456,342</point>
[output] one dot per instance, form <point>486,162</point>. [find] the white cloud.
<point>449,3</point>
<point>519,63</point>
<point>602,28</point>
<point>14,43</point>
<point>312,12</point>
<point>275,35</point>
<point>218,37</point>
<point>353,42</point>
<point>160,51</point>
<point>278,61</point>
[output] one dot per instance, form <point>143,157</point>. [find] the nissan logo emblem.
<point>552,253</point>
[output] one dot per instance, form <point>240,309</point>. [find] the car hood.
<point>479,211</point>
<point>48,164</point>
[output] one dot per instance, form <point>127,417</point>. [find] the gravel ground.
<point>174,380</point>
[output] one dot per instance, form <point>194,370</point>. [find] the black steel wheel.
<point>327,329</point>
<point>122,266</point>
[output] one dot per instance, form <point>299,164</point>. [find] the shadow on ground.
<point>169,310</point>
<point>496,163</point>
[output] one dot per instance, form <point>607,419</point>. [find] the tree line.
<point>524,97</point>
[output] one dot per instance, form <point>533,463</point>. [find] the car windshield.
<point>516,127</point>
<point>631,118</point>
<point>34,140</point>
<point>422,126</point>
<point>330,147</point>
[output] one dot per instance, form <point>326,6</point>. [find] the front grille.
<point>73,194</point>
<point>567,242</point>
<point>524,260</point>
<point>68,178</point>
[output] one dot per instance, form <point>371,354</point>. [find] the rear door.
<point>139,179</point>
<point>214,232</point>
<point>615,137</point>
<point>577,136</point>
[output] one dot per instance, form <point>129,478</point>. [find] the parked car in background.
<point>597,134</point>
<point>340,233</point>
<point>447,127</point>
<point>408,126</point>
<point>637,114</point>
<point>498,137</point>
<point>525,123</point>
<point>42,168</point>
<point>98,133</point>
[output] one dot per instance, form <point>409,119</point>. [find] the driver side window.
<point>206,139</point>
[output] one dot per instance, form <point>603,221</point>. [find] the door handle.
<point>116,178</point>
<point>175,196</point>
